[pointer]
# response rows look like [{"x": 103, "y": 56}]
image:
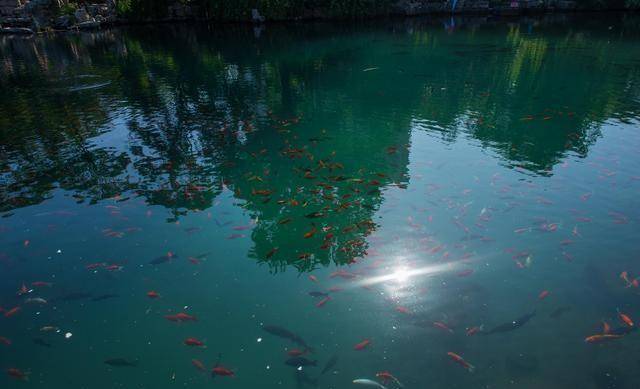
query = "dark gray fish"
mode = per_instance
[
  {"x": 121, "y": 362},
  {"x": 286, "y": 334},
  {"x": 330, "y": 364},
  {"x": 559, "y": 312},
  {"x": 318, "y": 294},
  {"x": 41, "y": 342},
  {"x": 313, "y": 215},
  {"x": 75, "y": 296},
  {"x": 300, "y": 361},
  {"x": 512, "y": 325},
  {"x": 104, "y": 297},
  {"x": 163, "y": 259}
]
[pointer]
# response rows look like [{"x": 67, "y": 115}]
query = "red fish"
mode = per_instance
[
  {"x": 601, "y": 338},
  {"x": 474, "y": 330},
  {"x": 457, "y": 358},
  {"x": 5, "y": 341},
  {"x": 153, "y": 294},
  {"x": 296, "y": 352},
  {"x": 404, "y": 310},
  {"x": 23, "y": 290},
  {"x": 606, "y": 328},
  {"x": 441, "y": 325},
  {"x": 313, "y": 278},
  {"x": 222, "y": 371},
  {"x": 199, "y": 365},
  {"x": 180, "y": 317},
  {"x": 193, "y": 342},
  {"x": 543, "y": 294},
  {"x": 362, "y": 345},
  {"x": 465, "y": 273},
  {"x": 17, "y": 374},
  {"x": 626, "y": 319},
  {"x": 41, "y": 284},
  {"x": 323, "y": 302},
  {"x": 12, "y": 312}
]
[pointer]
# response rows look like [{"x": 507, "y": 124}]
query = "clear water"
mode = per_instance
[{"x": 452, "y": 171}]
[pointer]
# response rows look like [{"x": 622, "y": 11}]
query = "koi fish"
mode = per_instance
[
  {"x": 181, "y": 317},
  {"x": 272, "y": 252},
  {"x": 442, "y": 326},
  {"x": 222, "y": 371},
  {"x": 39, "y": 284},
  {"x": 457, "y": 358},
  {"x": 17, "y": 374},
  {"x": 543, "y": 294},
  {"x": 12, "y": 312},
  {"x": 601, "y": 338},
  {"x": 310, "y": 233},
  {"x": 199, "y": 365},
  {"x": 193, "y": 342},
  {"x": 474, "y": 330},
  {"x": 296, "y": 352},
  {"x": 606, "y": 328},
  {"x": 465, "y": 273},
  {"x": 626, "y": 319},
  {"x": 385, "y": 376},
  {"x": 362, "y": 345},
  {"x": 5, "y": 341},
  {"x": 153, "y": 294},
  {"x": 323, "y": 302},
  {"x": 625, "y": 277},
  {"x": 404, "y": 310},
  {"x": 313, "y": 278}
]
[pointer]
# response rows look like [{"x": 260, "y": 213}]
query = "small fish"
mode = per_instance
[
  {"x": 441, "y": 325},
  {"x": 49, "y": 329},
  {"x": 222, "y": 371},
  {"x": 153, "y": 294},
  {"x": 17, "y": 374},
  {"x": 322, "y": 302},
  {"x": 368, "y": 382},
  {"x": 543, "y": 295},
  {"x": 474, "y": 330},
  {"x": 625, "y": 318},
  {"x": 199, "y": 365},
  {"x": 385, "y": 376},
  {"x": 5, "y": 341},
  {"x": 12, "y": 312},
  {"x": 272, "y": 252},
  {"x": 300, "y": 361},
  {"x": 296, "y": 352},
  {"x": 310, "y": 233},
  {"x": 313, "y": 278},
  {"x": 181, "y": 317},
  {"x": 121, "y": 362},
  {"x": 193, "y": 342},
  {"x": 601, "y": 338},
  {"x": 362, "y": 345},
  {"x": 457, "y": 358},
  {"x": 370, "y": 69}
]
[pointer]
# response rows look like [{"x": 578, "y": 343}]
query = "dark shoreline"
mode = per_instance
[{"x": 501, "y": 13}]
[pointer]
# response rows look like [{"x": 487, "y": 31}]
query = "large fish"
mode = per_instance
[
  {"x": 286, "y": 334},
  {"x": 512, "y": 325}
]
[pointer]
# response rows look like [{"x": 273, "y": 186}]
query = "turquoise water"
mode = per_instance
[{"x": 460, "y": 186}]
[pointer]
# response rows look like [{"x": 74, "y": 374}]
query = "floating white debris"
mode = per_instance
[
  {"x": 68, "y": 335},
  {"x": 259, "y": 340}
]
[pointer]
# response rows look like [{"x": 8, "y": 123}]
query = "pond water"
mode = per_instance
[{"x": 452, "y": 201}]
